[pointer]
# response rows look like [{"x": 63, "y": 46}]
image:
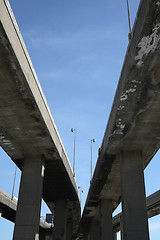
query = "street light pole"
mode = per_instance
[
  {"x": 74, "y": 153},
  {"x": 129, "y": 21},
  {"x": 92, "y": 141},
  {"x": 14, "y": 182},
  {"x": 81, "y": 191}
]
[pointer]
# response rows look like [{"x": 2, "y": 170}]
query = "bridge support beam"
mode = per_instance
[
  {"x": 135, "y": 221},
  {"x": 60, "y": 220},
  {"x": 106, "y": 225},
  {"x": 29, "y": 201}
]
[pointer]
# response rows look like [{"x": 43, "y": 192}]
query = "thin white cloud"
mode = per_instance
[{"x": 73, "y": 38}]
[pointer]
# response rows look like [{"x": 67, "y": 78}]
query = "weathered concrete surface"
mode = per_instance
[
  {"x": 26, "y": 125},
  {"x": 134, "y": 119},
  {"x": 153, "y": 209}
]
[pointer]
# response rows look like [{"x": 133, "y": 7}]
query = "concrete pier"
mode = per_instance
[
  {"x": 121, "y": 227},
  {"x": 60, "y": 220},
  {"x": 95, "y": 230},
  {"x": 69, "y": 230},
  {"x": 29, "y": 201},
  {"x": 135, "y": 222},
  {"x": 106, "y": 225}
]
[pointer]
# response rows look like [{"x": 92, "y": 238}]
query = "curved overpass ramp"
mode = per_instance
[{"x": 27, "y": 130}]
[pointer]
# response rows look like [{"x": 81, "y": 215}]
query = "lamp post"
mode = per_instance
[
  {"x": 74, "y": 153},
  {"x": 80, "y": 191},
  {"x": 129, "y": 21},
  {"x": 92, "y": 141},
  {"x": 14, "y": 182}
]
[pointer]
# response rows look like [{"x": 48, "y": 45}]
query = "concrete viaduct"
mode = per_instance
[
  {"x": 132, "y": 136},
  {"x": 131, "y": 139},
  {"x": 29, "y": 136}
]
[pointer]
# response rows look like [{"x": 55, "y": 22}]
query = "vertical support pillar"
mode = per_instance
[
  {"x": 29, "y": 201},
  {"x": 85, "y": 236},
  {"x": 106, "y": 219},
  {"x": 69, "y": 230},
  {"x": 135, "y": 221},
  {"x": 60, "y": 220},
  {"x": 42, "y": 235},
  {"x": 85, "y": 231},
  {"x": 95, "y": 230},
  {"x": 121, "y": 227}
]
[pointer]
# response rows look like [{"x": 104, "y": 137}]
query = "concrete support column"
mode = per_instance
[
  {"x": 134, "y": 212},
  {"x": 106, "y": 219},
  {"x": 69, "y": 230},
  {"x": 29, "y": 200},
  {"x": 121, "y": 227},
  {"x": 60, "y": 220},
  {"x": 85, "y": 231},
  {"x": 42, "y": 234},
  {"x": 95, "y": 230},
  {"x": 85, "y": 236}
]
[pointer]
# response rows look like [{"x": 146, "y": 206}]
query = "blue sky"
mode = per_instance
[{"x": 77, "y": 48}]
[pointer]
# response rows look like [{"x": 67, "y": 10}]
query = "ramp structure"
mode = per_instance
[
  {"x": 29, "y": 136},
  {"x": 131, "y": 137}
]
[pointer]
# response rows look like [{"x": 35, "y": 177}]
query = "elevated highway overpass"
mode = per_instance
[
  {"x": 132, "y": 136},
  {"x": 29, "y": 136}
]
